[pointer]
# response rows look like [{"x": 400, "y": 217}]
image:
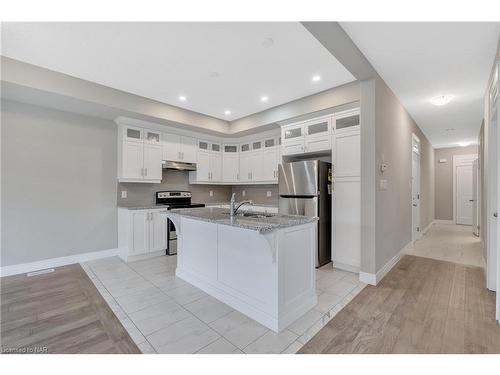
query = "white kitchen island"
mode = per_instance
[{"x": 263, "y": 267}]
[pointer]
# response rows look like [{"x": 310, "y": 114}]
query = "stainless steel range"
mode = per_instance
[{"x": 174, "y": 200}]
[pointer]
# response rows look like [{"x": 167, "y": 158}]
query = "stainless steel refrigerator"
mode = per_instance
[{"x": 305, "y": 188}]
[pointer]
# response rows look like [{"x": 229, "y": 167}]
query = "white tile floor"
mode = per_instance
[
  {"x": 449, "y": 242},
  {"x": 164, "y": 314}
]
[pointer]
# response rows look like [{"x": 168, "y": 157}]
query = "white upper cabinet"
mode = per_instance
[
  {"x": 269, "y": 170},
  {"x": 139, "y": 155},
  {"x": 179, "y": 148},
  {"x": 255, "y": 160},
  {"x": 152, "y": 162},
  {"x": 307, "y": 136},
  {"x": 132, "y": 160},
  {"x": 203, "y": 166},
  {"x": 230, "y": 163},
  {"x": 208, "y": 163},
  {"x": 216, "y": 167},
  {"x": 171, "y": 147}
]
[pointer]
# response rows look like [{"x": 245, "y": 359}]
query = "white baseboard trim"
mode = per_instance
[
  {"x": 443, "y": 221},
  {"x": 374, "y": 279},
  {"x": 345, "y": 267},
  {"x": 427, "y": 228},
  {"x": 16, "y": 269}
]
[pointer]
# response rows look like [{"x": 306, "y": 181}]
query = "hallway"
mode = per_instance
[
  {"x": 423, "y": 305},
  {"x": 452, "y": 243}
]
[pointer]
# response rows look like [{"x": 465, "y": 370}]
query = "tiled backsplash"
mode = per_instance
[
  {"x": 139, "y": 194},
  {"x": 257, "y": 193}
]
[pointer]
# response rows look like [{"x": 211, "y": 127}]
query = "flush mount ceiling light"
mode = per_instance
[
  {"x": 264, "y": 98},
  {"x": 316, "y": 78},
  {"x": 463, "y": 144},
  {"x": 182, "y": 98},
  {"x": 227, "y": 112},
  {"x": 442, "y": 99}
]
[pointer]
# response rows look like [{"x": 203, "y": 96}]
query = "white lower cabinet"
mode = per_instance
[
  {"x": 346, "y": 222},
  {"x": 141, "y": 233}
]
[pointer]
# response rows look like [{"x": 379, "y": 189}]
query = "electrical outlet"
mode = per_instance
[
  {"x": 124, "y": 194},
  {"x": 243, "y": 193},
  {"x": 383, "y": 184},
  {"x": 211, "y": 193},
  {"x": 268, "y": 194}
]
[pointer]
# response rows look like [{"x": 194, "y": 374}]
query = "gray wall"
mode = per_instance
[
  {"x": 58, "y": 184},
  {"x": 393, "y": 141},
  {"x": 444, "y": 179}
]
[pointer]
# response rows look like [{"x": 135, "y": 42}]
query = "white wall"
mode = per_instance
[{"x": 58, "y": 184}]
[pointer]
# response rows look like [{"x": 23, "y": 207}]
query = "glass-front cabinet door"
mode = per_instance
[
  {"x": 346, "y": 121},
  {"x": 245, "y": 147},
  {"x": 292, "y": 132},
  {"x": 203, "y": 145},
  {"x": 215, "y": 147},
  {"x": 151, "y": 136},
  {"x": 131, "y": 133},
  {"x": 318, "y": 127}
]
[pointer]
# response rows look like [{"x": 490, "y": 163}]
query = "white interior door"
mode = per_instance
[
  {"x": 475, "y": 197},
  {"x": 464, "y": 196},
  {"x": 415, "y": 194}
]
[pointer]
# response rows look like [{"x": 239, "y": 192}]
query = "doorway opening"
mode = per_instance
[{"x": 415, "y": 188}]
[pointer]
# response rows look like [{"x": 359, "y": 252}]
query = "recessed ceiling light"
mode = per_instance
[
  {"x": 182, "y": 98},
  {"x": 442, "y": 99},
  {"x": 268, "y": 42},
  {"x": 463, "y": 144},
  {"x": 264, "y": 98},
  {"x": 227, "y": 112},
  {"x": 316, "y": 78}
]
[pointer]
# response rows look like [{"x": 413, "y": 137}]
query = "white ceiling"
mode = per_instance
[
  {"x": 217, "y": 66},
  {"x": 423, "y": 60}
]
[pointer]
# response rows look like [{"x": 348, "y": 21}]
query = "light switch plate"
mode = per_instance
[
  {"x": 124, "y": 194},
  {"x": 243, "y": 193},
  {"x": 383, "y": 184},
  {"x": 268, "y": 194},
  {"x": 211, "y": 193}
]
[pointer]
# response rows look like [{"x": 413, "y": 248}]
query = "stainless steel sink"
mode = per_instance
[
  {"x": 254, "y": 215},
  {"x": 258, "y": 215}
]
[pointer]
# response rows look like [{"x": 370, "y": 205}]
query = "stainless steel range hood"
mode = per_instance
[{"x": 180, "y": 166}]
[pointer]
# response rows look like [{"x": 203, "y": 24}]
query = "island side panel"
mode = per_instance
[
  {"x": 297, "y": 272},
  {"x": 247, "y": 267},
  {"x": 197, "y": 248}
]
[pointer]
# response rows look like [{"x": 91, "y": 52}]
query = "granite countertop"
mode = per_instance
[
  {"x": 260, "y": 224},
  {"x": 151, "y": 207},
  {"x": 255, "y": 204}
]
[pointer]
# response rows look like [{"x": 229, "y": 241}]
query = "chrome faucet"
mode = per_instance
[{"x": 234, "y": 207}]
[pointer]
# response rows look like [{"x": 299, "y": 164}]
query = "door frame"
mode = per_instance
[
  {"x": 467, "y": 159},
  {"x": 415, "y": 138}
]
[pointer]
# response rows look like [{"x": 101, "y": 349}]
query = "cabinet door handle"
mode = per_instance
[{"x": 182, "y": 155}]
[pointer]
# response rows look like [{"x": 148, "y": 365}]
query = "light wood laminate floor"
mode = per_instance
[
  {"x": 422, "y": 306},
  {"x": 59, "y": 312}
]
